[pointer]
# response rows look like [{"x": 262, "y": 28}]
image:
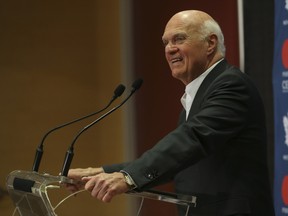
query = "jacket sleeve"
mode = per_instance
[{"x": 114, "y": 167}]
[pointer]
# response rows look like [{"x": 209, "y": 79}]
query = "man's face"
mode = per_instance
[{"x": 185, "y": 51}]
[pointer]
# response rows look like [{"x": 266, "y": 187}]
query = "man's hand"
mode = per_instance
[
  {"x": 78, "y": 174},
  {"x": 105, "y": 186}
]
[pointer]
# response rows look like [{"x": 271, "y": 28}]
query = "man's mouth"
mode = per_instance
[{"x": 176, "y": 60}]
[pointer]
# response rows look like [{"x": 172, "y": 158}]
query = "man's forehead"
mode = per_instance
[{"x": 170, "y": 32}]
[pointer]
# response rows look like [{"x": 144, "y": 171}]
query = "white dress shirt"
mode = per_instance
[{"x": 192, "y": 88}]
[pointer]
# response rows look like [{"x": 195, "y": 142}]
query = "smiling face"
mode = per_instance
[{"x": 187, "y": 52}]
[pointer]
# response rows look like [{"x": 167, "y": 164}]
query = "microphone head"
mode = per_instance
[
  {"x": 136, "y": 84},
  {"x": 119, "y": 90}
]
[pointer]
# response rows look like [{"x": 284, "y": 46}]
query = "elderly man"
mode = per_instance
[{"x": 218, "y": 150}]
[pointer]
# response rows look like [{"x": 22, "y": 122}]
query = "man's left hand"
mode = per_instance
[{"x": 105, "y": 186}]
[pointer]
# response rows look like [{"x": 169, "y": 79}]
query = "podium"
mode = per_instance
[{"x": 29, "y": 193}]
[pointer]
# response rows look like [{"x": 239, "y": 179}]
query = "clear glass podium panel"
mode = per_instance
[{"x": 29, "y": 193}]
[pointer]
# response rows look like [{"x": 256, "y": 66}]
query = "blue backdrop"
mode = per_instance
[{"x": 280, "y": 87}]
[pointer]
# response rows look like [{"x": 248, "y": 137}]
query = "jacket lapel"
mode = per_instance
[{"x": 222, "y": 66}]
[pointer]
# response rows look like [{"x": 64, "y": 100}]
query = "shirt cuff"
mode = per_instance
[{"x": 129, "y": 180}]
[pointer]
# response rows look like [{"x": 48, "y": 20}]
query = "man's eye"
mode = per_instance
[
  {"x": 165, "y": 43},
  {"x": 180, "y": 39}
]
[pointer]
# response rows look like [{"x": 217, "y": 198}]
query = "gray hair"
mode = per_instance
[{"x": 211, "y": 26}]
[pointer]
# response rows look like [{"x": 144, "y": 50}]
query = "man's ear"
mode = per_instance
[{"x": 212, "y": 43}]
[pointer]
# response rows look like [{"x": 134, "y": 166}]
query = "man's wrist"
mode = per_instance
[{"x": 129, "y": 181}]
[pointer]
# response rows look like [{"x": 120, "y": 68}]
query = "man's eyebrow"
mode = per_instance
[
  {"x": 180, "y": 34},
  {"x": 164, "y": 39},
  {"x": 174, "y": 35}
]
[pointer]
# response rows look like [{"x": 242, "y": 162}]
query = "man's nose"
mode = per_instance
[{"x": 171, "y": 48}]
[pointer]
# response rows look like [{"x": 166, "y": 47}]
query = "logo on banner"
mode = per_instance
[
  {"x": 285, "y": 190},
  {"x": 285, "y": 54},
  {"x": 285, "y": 125},
  {"x": 285, "y": 21}
]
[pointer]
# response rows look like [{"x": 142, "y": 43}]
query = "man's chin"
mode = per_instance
[{"x": 177, "y": 75}]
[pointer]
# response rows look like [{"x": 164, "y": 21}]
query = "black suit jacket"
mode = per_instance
[{"x": 218, "y": 154}]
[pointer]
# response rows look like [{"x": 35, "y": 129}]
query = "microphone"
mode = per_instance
[
  {"x": 70, "y": 152},
  {"x": 39, "y": 151}
]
